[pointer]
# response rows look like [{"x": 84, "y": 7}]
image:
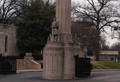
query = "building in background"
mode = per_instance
[
  {"x": 109, "y": 56},
  {"x": 8, "y": 40}
]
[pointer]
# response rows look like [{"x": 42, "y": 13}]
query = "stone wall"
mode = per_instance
[
  {"x": 27, "y": 63},
  {"x": 8, "y": 40}
]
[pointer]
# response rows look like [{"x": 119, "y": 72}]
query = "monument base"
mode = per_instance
[
  {"x": 58, "y": 58},
  {"x": 53, "y": 60}
]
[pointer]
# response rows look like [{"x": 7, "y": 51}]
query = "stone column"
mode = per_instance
[
  {"x": 58, "y": 56},
  {"x": 63, "y": 15}
]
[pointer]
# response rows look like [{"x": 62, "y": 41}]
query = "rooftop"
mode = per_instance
[{"x": 108, "y": 52}]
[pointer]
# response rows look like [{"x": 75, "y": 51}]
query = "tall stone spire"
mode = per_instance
[{"x": 63, "y": 15}]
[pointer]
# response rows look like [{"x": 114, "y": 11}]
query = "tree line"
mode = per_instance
[{"x": 34, "y": 18}]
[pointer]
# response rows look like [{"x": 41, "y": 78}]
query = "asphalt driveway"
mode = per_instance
[{"x": 104, "y": 76}]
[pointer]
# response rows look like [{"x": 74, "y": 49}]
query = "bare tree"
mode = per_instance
[
  {"x": 8, "y": 10},
  {"x": 87, "y": 38},
  {"x": 115, "y": 46},
  {"x": 103, "y": 44},
  {"x": 101, "y": 12}
]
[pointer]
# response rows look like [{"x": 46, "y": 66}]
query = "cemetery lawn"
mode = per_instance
[{"x": 105, "y": 65}]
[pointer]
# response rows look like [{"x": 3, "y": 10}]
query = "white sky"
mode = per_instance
[{"x": 78, "y": 0}]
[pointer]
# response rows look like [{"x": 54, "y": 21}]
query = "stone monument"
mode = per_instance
[{"x": 58, "y": 54}]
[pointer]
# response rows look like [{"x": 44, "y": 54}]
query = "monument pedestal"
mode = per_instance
[
  {"x": 53, "y": 60},
  {"x": 58, "y": 58}
]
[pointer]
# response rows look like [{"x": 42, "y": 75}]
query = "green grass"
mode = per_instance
[{"x": 105, "y": 65}]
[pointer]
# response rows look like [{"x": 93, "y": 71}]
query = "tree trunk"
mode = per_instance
[
  {"x": 97, "y": 53},
  {"x": 97, "y": 46}
]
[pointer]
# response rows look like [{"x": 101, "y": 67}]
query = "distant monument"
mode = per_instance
[{"x": 58, "y": 54}]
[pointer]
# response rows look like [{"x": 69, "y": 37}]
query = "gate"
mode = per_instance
[
  {"x": 0, "y": 63},
  {"x": 8, "y": 65},
  {"x": 82, "y": 66}
]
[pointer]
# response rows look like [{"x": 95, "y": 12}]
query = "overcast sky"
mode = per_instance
[
  {"x": 109, "y": 40},
  {"x": 78, "y": 0}
]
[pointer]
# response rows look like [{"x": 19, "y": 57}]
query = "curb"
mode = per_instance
[
  {"x": 40, "y": 70},
  {"x": 31, "y": 70},
  {"x": 95, "y": 70}
]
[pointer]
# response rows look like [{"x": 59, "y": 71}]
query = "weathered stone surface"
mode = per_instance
[
  {"x": 8, "y": 46},
  {"x": 58, "y": 60},
  {"x": 53, "y": 61},
  {"x": 58, "y": 55},
  {"x": 27, "y": 63},
  {"x": 63, "y": 15}
]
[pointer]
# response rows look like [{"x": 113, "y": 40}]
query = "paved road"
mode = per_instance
[{"x": 106, "y": 76}]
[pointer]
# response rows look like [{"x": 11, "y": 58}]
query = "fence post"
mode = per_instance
[{"x": 0, "y": 63}]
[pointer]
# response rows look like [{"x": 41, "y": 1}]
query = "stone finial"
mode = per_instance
[{"x": 28, "y": 54}]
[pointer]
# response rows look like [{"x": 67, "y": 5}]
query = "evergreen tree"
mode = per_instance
[{"x": 34, "y": 26}]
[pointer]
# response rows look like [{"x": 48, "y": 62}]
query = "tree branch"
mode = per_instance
[
  {"x": 92, "y": 4},
  {"x": 108, "y": 23}
]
